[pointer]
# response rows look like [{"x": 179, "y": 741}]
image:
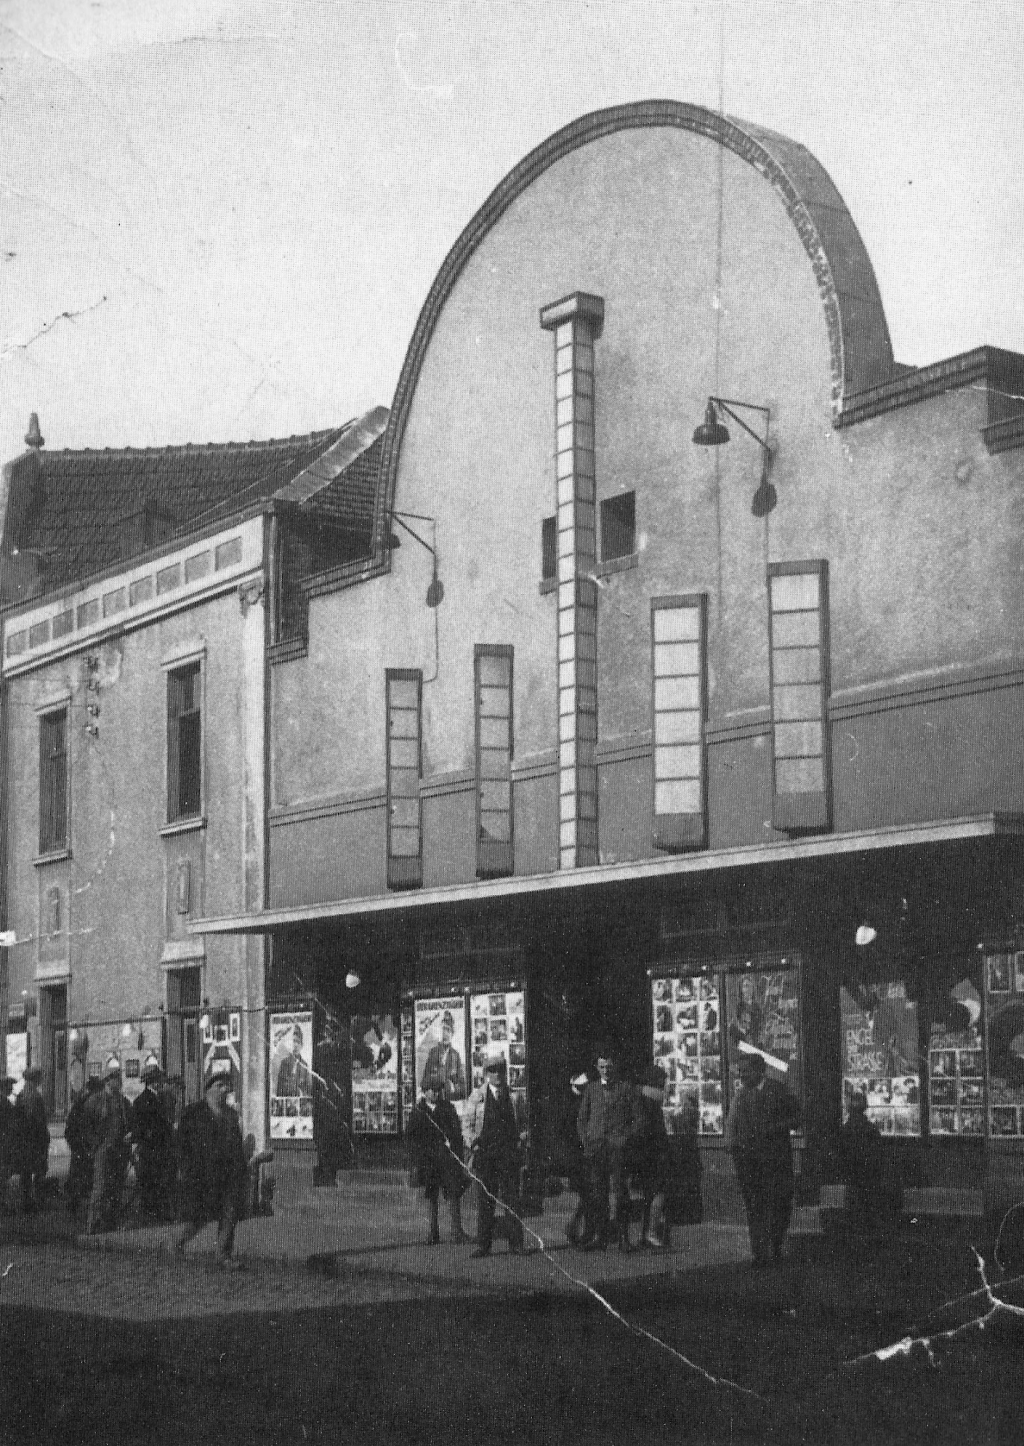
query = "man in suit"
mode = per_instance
[
  {"x": 107, "y": 1124},
  {"x": 606, "y": 1124},
  {"x": 757, "y": 1132},
  {"x": 495, "y": 1134},
  {"x": 444, "y": 1064},
  {"x": 293, "y": 1077}
]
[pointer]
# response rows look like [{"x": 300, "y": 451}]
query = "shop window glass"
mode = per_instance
[
  {"x": 404, "y": 826},
  {"x": 374, "y": 1051},
  {"x": 956, "y": 1062},
  {"x": 679, "y": 672},
  {"x": 493, "y": 709},
  {"x": 688, "y": 1047},
  {"x": 798, "y": 630},
  {"x": 881, "y": 1054},
  {"x": 1004, "y": 1013}
]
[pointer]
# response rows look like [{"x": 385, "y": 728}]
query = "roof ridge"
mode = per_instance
[{"x": 305, "y": 439}]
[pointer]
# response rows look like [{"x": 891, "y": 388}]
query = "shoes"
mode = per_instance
[
  {"x": 598, "y": 1243},
  {"x": 480, "y": 1252},
  {"x": 433, "y": 1238},
  {"x": 228, "y": 1262},
  {"x": 652, "y": 1242},
  {"x": 459, "y": 1237}
]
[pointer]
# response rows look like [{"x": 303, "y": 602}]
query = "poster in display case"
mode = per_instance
[
  {"x": 408, "y": 1060},
  {"x": 497, "y": 1025},
  {"x": 1004, "y": 1017},
  {"x": 880, "y": 1055},
  {"x": 687, "y": 1046},
  {"x": 763, "y": 1017},
  {"x": 291, "y": 1075},
  {"x": 375, "y": 1058},
  {"x": 956, "y": 1065},
  {"x": 439, "y": 1042}
]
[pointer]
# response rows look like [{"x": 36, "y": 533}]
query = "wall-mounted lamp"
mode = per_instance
[
  {"x": 435, "y": 592},
  {"x": 866, "y": 934},
  {"x": 352, "y": 980},
  {"x": 714, "y": 433}
]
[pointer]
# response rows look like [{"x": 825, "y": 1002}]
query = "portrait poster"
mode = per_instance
[
  {"x": 497, "y": 1025},
  {"x": 763, "y": 1017},
  {"x": 375, "y": 1061},
  {"x": 687, "y": 1046},
  {"x": 290, "y": 1076},
  {"x": 956, "y": 1064},
  {"x": 407, "y": 1063},
  {"x": 1004, "y": 1027},
  {"x": 440, "y": 1046},
  {"x": 880, "y": 1055}
]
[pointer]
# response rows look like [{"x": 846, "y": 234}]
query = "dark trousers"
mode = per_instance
[
  {"x": 226, "y": 1223},
  {"x": 500, "y": 1181},
  {"x": 32, "y": 1187},
  {"x": 606, "y": 1176},
  {"x": 768, "y": 1201}
]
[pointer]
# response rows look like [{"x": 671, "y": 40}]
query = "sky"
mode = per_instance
[{"x": 219, "y": 220}]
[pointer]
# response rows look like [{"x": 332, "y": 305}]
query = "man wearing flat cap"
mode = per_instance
[
  {"x": 496, "y": 1133},
  {"x": 757, "y": 1133},
  {"x": 31, "y": 1139},
  {"x": 443, "y": 1070},
  {"x": 153, "y": 1140},
  {"x": 107, "y": 1122},
  {"x": 214, "y": 1170}
]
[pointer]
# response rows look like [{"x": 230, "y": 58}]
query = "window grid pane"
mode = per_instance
[
  {"x": 493, "y": 700},
  {"x": 404, "y": 817},
  {"x": 799, "y": 683},
  {"x": 677, "y": 637}
]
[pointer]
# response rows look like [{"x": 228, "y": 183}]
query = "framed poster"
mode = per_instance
[
  {"x": 880, "y": 1055},
  {"x": 408, "y": 1060},
  {"x": 498, "y": 1026},
  {"x": 956, "y": 1065},
  {"x": 375, "y": 1055},
  {"x": 763, "y": 1017},
  {"x": 1004, "y": 1022},
  {"x": 688, "y": 1047},
  {"x": 440, "y": 1045},
  {"x": 291, "y": 1076}
]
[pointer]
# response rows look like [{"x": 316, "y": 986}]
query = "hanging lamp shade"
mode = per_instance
[{"x": 711, "y": 432}]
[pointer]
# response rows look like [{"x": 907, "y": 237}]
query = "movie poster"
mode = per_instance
[
  {"x": 687, "y": 1046},
  {"x": 956, "y": 1065},
  {"x": 291, "y": 1076},
  {"x": 1004, "y": 1013},
  {"x": 880, "y": 1055},
  {"x": 440, "y": 1046},
  {"x": 498, "y": 1026},
  {"x": 763, "y": 1017},
  {"x": 375, "y": 1056},
  {"x": 408, "y": 1060}
]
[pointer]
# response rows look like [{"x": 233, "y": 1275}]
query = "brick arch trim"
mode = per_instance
[{"x": 859, "y": 344}]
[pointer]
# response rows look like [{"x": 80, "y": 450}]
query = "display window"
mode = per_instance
[
  {"x": 881, "y": 1054},
  {"x": 291, "y": 1076},
  {"x": 449, "y": 1037},
  {"x": 1004, "y": 1028},
  {"x": 956, "y": 1063},
  {"x": 498, "y": 1026},
  {"x": 703, "y": 1024},
  {"x": 374, "y": 1050}
]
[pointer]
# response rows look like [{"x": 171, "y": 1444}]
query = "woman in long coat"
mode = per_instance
[{"x": 435, "y": 1135}]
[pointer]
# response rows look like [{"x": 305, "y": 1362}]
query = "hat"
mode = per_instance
[
  {"x": 448, "y": 1019},
  {"x": 216, "y": 1076},
  {"x": 580, "y": 1081},
  {"x": 494, "y": 1061},
  {"x": 152, "y": 1071},
  {"x": 93, "y": 1084},
  {"x": 33, "y": 1075},
  {"x": 752, "y": 1063},
  {"x": 113, "y": 1070}
]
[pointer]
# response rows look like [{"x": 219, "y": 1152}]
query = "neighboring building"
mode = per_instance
[
  {"x": 654, "y": 731},
  {"x": 144, "y": 593}
]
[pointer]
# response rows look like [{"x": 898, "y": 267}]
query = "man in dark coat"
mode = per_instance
[
  {"x": 874, "y": 1197},
  {"x": 78, "y": 1185},
  {"x": 757, "y": 1133},
  {"x": 495, "y": 1140},
  {"x": 214, "y": 1170},
  {"x": 31, "y": 1137},
  {"x": 107, "y": 1122},
  {"x": 6, "y": 1136},
  {"x": 153, "y": 1139},
  {"x": 435, "y": 1135},
  {"x": 606, "y": 1124}
]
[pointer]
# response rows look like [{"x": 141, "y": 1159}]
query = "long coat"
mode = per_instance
[
  {"x": 30, "y": 1135},
  {"x": 214, "y": 1170},
  {"x": 438, "y": 1147}
]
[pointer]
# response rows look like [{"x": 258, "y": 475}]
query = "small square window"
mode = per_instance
[{"x": 618, "y": 526}]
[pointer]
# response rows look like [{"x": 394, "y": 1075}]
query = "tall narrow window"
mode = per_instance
[
  {"x": 798, "y": 622},
  {"x": 618, "y": 526},
  {"x": 548, "y": 549},
  {"x": 493, "y": 687},
  {"x": 404, "y": 689},
  {"x": 679, "y": 672},
  {"x": 53, "y": 781},
  {"x": 184, "y": 743}
]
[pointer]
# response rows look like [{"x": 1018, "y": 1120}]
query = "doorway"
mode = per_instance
[
  {"x": 184, "y": 1046},
  {"x": 53, "y": 1049}
]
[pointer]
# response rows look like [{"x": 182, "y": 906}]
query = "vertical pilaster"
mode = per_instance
[{"x": 576, "y": 323}]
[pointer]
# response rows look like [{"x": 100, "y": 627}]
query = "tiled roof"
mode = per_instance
[{"x": 79, "y": 513}]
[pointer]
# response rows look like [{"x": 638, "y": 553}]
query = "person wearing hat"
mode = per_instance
[
  {"x": 153, "y": 1142},
  {"x": 108, "y": 1124},
  {"x": 496, "y": 1133},
  {"x": 444, "y": 1066},
  {"x": 650, "y": 1160},
  {"x": 6, "y": 1136},
  {"x": 214, "y": 1169},
  {"x": 31, "y": 1140},
  {"x": 567, "y": 1155},
  {"x": 293, "y": 1076},
  {"x": 757, "y": 1133},
  {"x": 435, "y": 1136},
  {"x": 606, "y": 1124},
  {"x": 78, "y": 1185}
]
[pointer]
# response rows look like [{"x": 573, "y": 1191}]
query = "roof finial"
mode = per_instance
[{"x": 34, "y": 437}]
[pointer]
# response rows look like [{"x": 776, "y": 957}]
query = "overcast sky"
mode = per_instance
[{"x": 220, "y": 219}]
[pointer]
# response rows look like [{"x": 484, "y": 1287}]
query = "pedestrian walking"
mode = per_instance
[
  {"x": 31, "y": 1139},
  {"x": 435, "y": 1136},
  {"x": 107, "y": 1123},
  {"x": 153, "y": 1146},
  {"x": 650, "y": 1159},
  {"x": 567, "y": 1157},
  {"x": 214, "y": 1170},
  {"x": 757, "y": 1132},
  {"x": 496, "y": 1135},
  {"x": 78, "y": 1185},
  {"x": 6, "y": 1137},
  {"x": 606, "y": 1124}
]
